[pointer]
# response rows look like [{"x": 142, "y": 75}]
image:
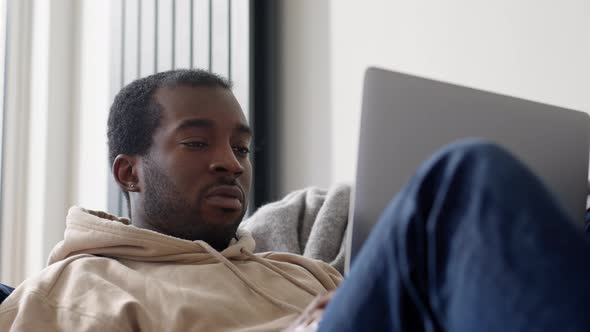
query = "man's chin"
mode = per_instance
[{"x": 219, "y": 237}]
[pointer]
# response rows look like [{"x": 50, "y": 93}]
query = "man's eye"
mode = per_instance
[
  {"x": 195, "y": 145},
  {"x": 242, "y": 151}
]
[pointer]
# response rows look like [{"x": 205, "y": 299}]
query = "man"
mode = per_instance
[
  {"x": 472, "y": 244},
  {"x": 179, "y": 149}
]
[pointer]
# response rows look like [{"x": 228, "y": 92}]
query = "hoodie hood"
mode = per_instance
[{"x": 99, "y": 233}]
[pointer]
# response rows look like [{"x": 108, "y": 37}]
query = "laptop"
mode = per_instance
[{"x": 405, "y": 119}]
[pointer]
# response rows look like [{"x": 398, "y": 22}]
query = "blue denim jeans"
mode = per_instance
[
  {"x": 475, "y": 242},
  {"x": 4, "y": 292}
]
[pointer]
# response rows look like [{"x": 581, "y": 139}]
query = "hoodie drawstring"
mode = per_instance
[
  {"x": 250, "y": 284},
  {"x": 279, "y": 271}
]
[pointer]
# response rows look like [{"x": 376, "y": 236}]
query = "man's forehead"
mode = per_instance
[
  {"x": 179, "y": 97},
  {"x": 181, "y": 103},
  {"x": 194, "y": 94}
]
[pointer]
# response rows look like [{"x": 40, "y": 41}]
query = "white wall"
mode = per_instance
[
  {"x": 304, "y": 99},
  {"x": 531, "y": 49}
]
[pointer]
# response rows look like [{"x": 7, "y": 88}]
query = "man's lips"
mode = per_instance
[{"x": 225, "y": 197}]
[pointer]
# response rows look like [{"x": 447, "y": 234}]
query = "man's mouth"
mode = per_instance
[{"x": 225, "y": 197}]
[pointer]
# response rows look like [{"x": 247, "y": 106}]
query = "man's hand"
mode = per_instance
[{"x": 312, "y": 314}]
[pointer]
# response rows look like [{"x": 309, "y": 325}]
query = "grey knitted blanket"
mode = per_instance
[{"x": 310, "y": 222}]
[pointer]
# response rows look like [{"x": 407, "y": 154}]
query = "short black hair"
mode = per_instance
[{"x": 134, "y": 115}]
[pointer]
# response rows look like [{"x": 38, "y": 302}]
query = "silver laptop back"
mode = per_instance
[{"x": 406, "y": 118}]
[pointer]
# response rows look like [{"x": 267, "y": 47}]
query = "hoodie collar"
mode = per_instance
[{"x": 99, "y": 233}]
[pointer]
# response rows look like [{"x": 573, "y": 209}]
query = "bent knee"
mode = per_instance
[
  {"x": 481, "y": 150},
  {"x": 475, "y": 158}
]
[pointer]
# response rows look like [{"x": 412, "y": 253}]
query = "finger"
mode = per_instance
[{"x": 325, "y": 299}]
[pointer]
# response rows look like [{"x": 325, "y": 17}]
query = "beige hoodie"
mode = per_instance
[{"x": 109, "y": 276}]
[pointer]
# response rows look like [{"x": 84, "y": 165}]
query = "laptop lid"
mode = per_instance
[{"x": 405, "y": 119}]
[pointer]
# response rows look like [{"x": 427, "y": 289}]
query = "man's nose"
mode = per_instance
[{"x": 225, "y": 161}]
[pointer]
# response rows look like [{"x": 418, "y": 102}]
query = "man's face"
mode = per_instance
[{"x": 196, "y": 175}]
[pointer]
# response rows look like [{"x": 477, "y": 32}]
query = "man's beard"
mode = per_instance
[{"x": 170, "y": 213}]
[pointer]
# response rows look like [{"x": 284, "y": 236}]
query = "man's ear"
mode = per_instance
[{"x": 125, "y": 172}]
